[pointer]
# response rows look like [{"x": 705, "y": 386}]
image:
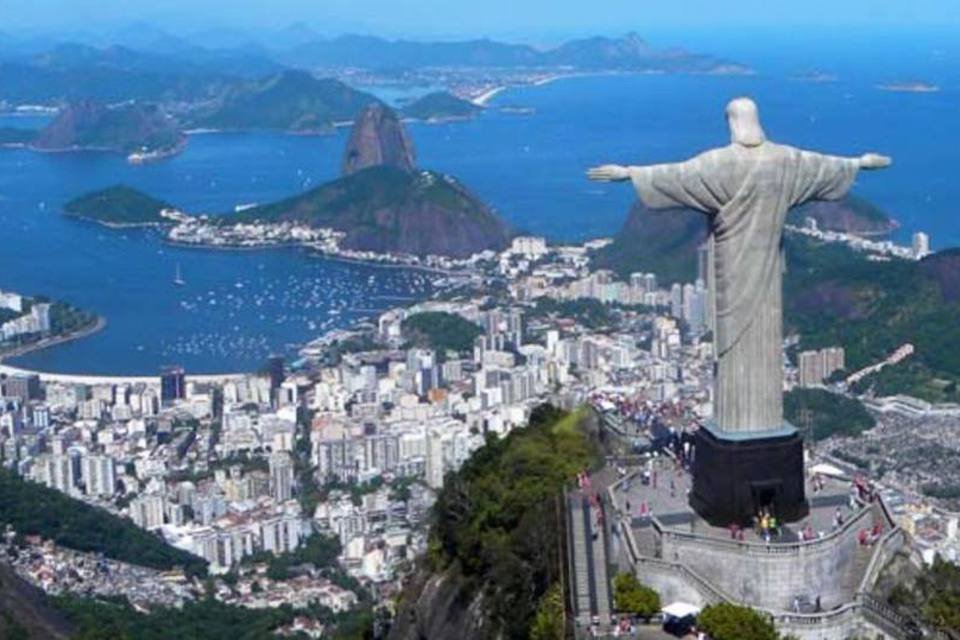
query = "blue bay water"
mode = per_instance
[{"x": 238, "y": 307}]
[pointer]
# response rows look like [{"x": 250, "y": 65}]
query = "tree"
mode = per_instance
[
  {"x": 632, "y": 597},
  {"x": 548, "y": 620},
  {"x": 727, "y": 621}
]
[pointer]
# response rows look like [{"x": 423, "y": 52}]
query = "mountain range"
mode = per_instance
[{"x": 163, "y": 67}]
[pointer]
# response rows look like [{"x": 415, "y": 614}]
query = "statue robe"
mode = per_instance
[{"x": 746, "y": 193}]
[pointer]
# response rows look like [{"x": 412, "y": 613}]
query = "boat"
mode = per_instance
[{"x": 178, "y": 279}]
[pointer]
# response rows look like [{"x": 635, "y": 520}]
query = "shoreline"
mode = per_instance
[{"x": 53, "y": 341}]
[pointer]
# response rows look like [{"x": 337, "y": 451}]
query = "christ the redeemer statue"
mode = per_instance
[{"x": 746, "y": 190}]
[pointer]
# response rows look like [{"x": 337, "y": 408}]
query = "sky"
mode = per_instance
[{"x": 522, "y": 19}]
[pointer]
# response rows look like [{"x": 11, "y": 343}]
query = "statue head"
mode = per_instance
[{"x": 744, "y": 121}]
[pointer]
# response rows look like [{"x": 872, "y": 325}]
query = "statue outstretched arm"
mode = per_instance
[
  {"x": 609, "y": 173},
  {"x": 819, "y": 176},
  {"x": 874, "y": 161},
  {"x": 659, "y": 186}
]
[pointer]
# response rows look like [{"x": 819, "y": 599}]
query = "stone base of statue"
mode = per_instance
[{"x": 736, "y": 475}]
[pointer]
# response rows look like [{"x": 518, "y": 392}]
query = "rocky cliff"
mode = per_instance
[
  {"x": 378, "y": 138},
  {"x": 383, "y": 203}
]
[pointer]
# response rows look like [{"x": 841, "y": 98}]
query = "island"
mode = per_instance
[
  {"x": 441, "y": 106},
  {"x": 142, "y": 131},
  {"x": 119, "y": 206},
  {"x": 909, "y": 87}
]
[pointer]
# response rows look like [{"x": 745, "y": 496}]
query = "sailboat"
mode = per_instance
[{"x": 177, "y": 279}]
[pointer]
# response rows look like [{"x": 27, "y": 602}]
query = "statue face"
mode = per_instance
[{"x": 743, "y": 118}]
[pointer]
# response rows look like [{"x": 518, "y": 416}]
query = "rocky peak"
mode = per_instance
[{"x": 378, "y": 138}]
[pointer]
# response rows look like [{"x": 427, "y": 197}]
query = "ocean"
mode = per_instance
[{"x": 237, "y": 307}]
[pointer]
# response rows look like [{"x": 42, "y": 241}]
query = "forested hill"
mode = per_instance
[
  {"x": 33, "y": 509},
  {"x": 832, "y": 294},
  {"x": 494, "y": 539}
]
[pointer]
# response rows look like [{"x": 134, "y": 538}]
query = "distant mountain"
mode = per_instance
[
  {"x": 378, "y": 53},
  {"x": 118, "y": 206},
  {"x": 288, "y": 101},
  {"x": 388, "y": 210},
  {"x": 378, "y": 138},
  {"x": 665, "y": 241},
  {"x": 71, "y": 72},
  {"x": 440, "y": 105},
  {"x": 383, "y": 204},
  {"x": 832, "y": 294},
  {"x": 629, "y": 52},
  {"x": 125, "y": 128},
  {"x": 850, "y": 215}
]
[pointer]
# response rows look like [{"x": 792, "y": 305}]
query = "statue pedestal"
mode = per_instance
[{"x": 736, "y": 475}]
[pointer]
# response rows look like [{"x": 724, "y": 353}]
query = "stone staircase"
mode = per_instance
[{"x": 580, "y": 567}]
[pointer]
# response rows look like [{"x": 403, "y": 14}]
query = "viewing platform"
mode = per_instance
[{"x": 813, "y": 576}]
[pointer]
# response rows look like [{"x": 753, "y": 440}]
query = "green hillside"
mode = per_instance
[
  {"x": 495, "y": 532},
  {"x": 386, "y": 209},
  {"x": 33, "y": 509},
  {"x": 118, "y": 205},
  {"x": 288, "y": 101},
  {"x": 440, "y": 105}
]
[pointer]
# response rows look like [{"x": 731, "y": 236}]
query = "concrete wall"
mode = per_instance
[
  {"x": 771, "y": 577},
  {"x": 671, "y": 583}
]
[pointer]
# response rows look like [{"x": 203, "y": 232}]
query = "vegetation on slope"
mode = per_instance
[
  {"x": 118, "y": 205},
  {"x": 732, "y": 622},
  {"x": 387, "y": 209},
  {"x": 588, "y": 312},
  {"x": 496, "y": 519},
  {"x": 33, "y": 509},
  {"x": 287, "y": 101},
  {"x": 206, "y": 619},
  {"x": 933, "y": 598},
  {"x": 630, "y": 596},
  {"x": 832, "y": 295},
  {"x": 441, "y": 331},
  {"x": 829, "y": 414},
  {"x": 440, "y": 105},
  {"x": 126, "y": 128}
]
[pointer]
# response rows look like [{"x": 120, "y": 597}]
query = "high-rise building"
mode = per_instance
[
  {"x": 24, "y": 388},
  {"x": 676, "y": 301},
  {"x": 173, "y": 385},
  {"x": 99, "y": 475},
  {"x": 281, "y": 476},
  {"x": 703, "y": 262},
  {"x": 921, "y": 245}
]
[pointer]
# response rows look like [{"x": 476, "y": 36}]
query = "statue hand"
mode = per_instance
[
  {"x": 609, "y": 173},
  {"x": 874, "y": 161}
]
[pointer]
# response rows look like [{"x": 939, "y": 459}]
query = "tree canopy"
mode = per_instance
[
  {"x": 727, "y": 621},
  {"x": 632, "y": 597}
]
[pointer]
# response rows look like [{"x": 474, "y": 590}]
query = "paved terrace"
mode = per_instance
[{"x": 665, "y": 497}]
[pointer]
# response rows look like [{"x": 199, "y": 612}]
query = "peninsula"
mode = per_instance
[{"x": 383, "y": 208}]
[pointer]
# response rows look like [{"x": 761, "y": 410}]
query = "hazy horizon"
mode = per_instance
[{"x": 536, "y": 21}]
